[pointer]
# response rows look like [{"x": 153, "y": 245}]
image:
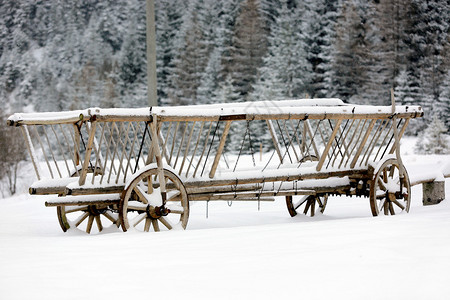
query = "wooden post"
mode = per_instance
[
  {"x": 151, "y": 54},
  {"x": 397, "y": 138},
  {"x": 433, "y": 192},
  {"x": 88, "y": 154},
  {"x": 159, "y": 161}
]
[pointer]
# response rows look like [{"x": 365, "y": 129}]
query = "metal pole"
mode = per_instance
[{"x": 151, "y": 54}]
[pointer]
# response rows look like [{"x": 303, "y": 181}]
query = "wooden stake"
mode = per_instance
[
  {"x": 31, "y": 151},
  {"x": 220, "y": 149},
  {"x": 88, "y": 154},
  {"x": 274, "y": 139},
  {"x": 363, "y": 142},
  {"x": 328, "y": 146}
]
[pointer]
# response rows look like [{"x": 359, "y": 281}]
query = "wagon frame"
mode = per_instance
[{"x": 140, "y": 168}]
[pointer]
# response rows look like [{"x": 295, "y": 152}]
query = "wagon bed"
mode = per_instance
[{"x": 317, "y": 147}]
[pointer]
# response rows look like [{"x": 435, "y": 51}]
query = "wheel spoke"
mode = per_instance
[
  {"x": 141, "y": 194},
  {"x": 308, "y": 204},
  {"x": 89, "y": 224},
  {"x": 398, "y": 204},
  {"x": 391, "y": 171},
  {"x": 174, "y": 196},
  {"x": 99, "y": 223},
  {"x": 324, "y": 203},
  {"x": 136, "y": 206},
  {"x": 313, "y": 207},
  {"x": 165, "y": 223},
  {"x": 109, "y": 217},
  {"x": 81, "y": 219},
  {"x": 155, "y": 225},
  {"x": 381, "y": 204},
  {"x": 319, "y": 202},
  {"x": 175, "y": 209},
  {"x": 386, "y": 207},
  {"x": 381, "y": 184},
  {"x": 147, "y": 225},
  {"x": 140, "y": 218},
  {"x": 391, "y": 208}
]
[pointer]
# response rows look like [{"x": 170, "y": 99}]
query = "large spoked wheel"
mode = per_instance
[
  {"x": 390, "y": 194},
  {"x": 307, "y": 204},
  {"x": 142, "y": 206},
  {"x": 83, "y": 217}
]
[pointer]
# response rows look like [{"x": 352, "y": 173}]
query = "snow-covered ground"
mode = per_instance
[{"x": 237, "y": 253}]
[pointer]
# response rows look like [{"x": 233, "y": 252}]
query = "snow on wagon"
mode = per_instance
[{"x": 140, "y": 168}]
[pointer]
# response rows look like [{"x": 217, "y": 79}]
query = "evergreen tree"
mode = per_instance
[
  {"x": 168, "y": 14},
  {"x": 391, "y": 22},
  {"x": 320, "y": 18},
  {"x": 444, "y": 101},
  {"x": 249, "y": 46},
  {"x": 210, "y": 80},
  {"x": 434, "y": 139},
  {"x": 190, "y": 60},
  {"x": 353, "y": 62}
]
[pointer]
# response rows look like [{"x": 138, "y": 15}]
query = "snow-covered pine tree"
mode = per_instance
[
  {"x": 434, "y": 139},
  {"x": 285, "y": 73},
  {"x": 210, "y": 82},
  {"x": 444, "y": 100},
  {"x": 133, "y": 63},
  {"x": 353, "y": 61},
  {"x": 391, "y": 22},
  {"x": 227, "y": 14},
  {"x": 249, "y": 46},
  {"x": 320, "y": 19},
  {"x": 189, "y": 62}
]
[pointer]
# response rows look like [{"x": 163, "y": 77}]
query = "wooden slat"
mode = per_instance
[
  {"x": 220, "y": 149},
  {"x": 328, "y": 146},
  {"x": 274, "y": 139},
  {"x": 31, "y": 151},
  {"x": 363, "y": 142}
]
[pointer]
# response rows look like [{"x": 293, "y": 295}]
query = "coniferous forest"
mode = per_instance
[{"x": 62, "y": 55}]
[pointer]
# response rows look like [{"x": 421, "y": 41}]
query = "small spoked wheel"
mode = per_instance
[
  {"x": 307, "y": 204},
  {"x": 142, "y": 206},
  {"x": 390, "y": 194},
  {"x": 83, "y": 217}
]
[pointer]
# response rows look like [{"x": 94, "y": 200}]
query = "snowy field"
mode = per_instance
[{"x": 236, "y": 253}]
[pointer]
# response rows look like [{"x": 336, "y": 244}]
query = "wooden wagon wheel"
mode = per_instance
[
  {"x": 83, "y": 217},
  {"x": 142, "y": 206},
  {"x": 307, "y": 203},
  {"x": 388, "y": 192}
]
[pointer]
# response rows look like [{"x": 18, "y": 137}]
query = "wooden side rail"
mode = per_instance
[{"x": 108, "y": 199}]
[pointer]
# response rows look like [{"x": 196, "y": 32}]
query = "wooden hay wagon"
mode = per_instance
[{"x": 140, "y": 168}]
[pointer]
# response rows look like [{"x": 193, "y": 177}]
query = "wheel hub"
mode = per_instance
[
  {"x": 95, "y": 211},
  {"x": 157, "y": 212}
]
